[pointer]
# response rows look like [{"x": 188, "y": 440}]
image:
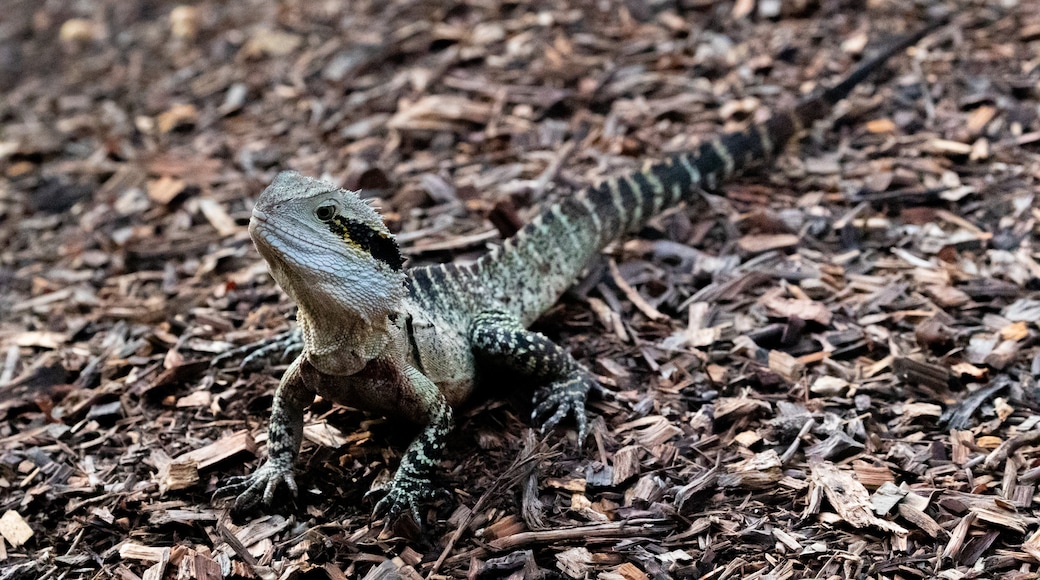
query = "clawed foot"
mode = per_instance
[
  {"x": 564, "y": 397},
  {"x": 281, "y": 347},
  {"x": 403, "y": 495},
  {"x": 260, "y": 486}
]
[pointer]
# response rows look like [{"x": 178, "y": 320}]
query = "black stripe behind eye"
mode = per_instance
[{"x": 381, "y": 246}]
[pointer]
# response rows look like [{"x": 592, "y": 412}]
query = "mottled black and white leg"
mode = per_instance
[
  {"x": 284, "y": 436},
  {"x": 411, "y": 485},
  {"x": 280, "y": 347},
  {"x": 500, "y": 338}
]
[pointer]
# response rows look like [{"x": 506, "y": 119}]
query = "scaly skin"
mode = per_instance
[{"x": 407, "y": 342}]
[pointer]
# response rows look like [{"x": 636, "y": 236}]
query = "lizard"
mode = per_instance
[{"x": 412, "y": 342}]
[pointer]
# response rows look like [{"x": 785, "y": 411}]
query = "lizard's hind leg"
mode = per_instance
[
  {"x": 284, "y": 346},
  {"x": 499, "y": 338}
]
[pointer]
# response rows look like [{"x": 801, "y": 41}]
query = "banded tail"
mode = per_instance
[{"x": 529, "y": 272}]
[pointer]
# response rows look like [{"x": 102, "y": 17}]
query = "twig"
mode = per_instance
[
  {"x": 622, "y": 529},
  {"x": 10, "y": 362},
  {"x": 635, "y": 297}
]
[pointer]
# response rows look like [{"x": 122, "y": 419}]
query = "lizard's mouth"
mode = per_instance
[
  {"x": 278, "y": 243},
  {"x": 261, "y": 228},
  {"x": 259, "y": 216},
  {"x": 273, "y": 241}
]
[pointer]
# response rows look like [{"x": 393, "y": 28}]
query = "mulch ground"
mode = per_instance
[{"x": 825, "y": 369}]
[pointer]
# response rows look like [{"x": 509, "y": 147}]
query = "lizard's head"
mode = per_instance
[{"x": 327, "y": 248}]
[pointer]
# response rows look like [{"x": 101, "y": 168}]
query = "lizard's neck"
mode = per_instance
[
  {"x": 339, "y": 344},
  {"x": 344, "y": 322}
]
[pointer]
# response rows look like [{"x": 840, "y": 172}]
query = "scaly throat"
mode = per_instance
[
  {"x": 343, "y": 320},
  {"x": 341, "y": 345}
]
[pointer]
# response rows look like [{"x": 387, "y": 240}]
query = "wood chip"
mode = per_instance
[
  {"x": 14, "y": 529},
  {"x": 637, "y": 300},
  {"x": 205, "y": 457},
  {"x": 626, "y": 463},
  {"x": 759, "y": 244},
  {"x": 217, "y": 217},
  {"x": 132, "y": 551},
  {"x": 849, "y": 498}
]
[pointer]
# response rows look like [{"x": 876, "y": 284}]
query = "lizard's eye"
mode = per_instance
[{"x": 325, "y": 212}]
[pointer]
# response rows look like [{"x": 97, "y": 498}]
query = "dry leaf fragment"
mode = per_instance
[
  {"x": 757, "y": 244},
  {"x": 855, "y": 43},
  {"x": 1015, "y": 331},
  {"x": 14, "y": 529},
  {"x": 803, "y": 309},
  {"x": 184, "y": 22},
  {"x": 829, "y": 386},
  {"x": 220, "y": 450},
  {"x": 881, "y": 126},
  {"x": 947, "y": 296},
  {"x": 1032, "y": 545},
  {"x": 165, "y": 189},
  {"x": 179, "y": 115},
  {"x": 968, "y": 370},
  {"x": 173, "y": 476},
  {"x": 979, "y": 118},
  {"x": 325, "y": 434},
  {"x": 271, "y": 43},
  {"x": 760, "y": 471},
  {"x": 440, "y": 112},
  {"x": 742, "y": 8},
  {"x": 785, "y": 365},
  {"x": 575, "y": 562},
  {"x": 217, "y": 216},
  {"x": 747, "y": 438},
  {"x": 947, "y": 147},
  {"x": 979, "y": 150},
  {"x": 132, "y": 551},
  {"x": 914, "y": 410},
  {"x": 887, "y": 497},
  {"x": 629, "y": 571},
  {"x": 78, "y": 30},
  {"x": 849, "y": 498}
]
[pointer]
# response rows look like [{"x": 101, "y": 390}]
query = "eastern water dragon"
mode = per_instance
[{"x": 411, "y": 342}]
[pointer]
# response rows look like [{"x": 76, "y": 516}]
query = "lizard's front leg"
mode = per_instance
[
  {"x": 284, "y": 435},
  {"x": 411, "y": 485},
  {"x": 500, "y": 338}
]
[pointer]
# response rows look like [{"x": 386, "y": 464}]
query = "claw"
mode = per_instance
[
  {"x": 260, "y": 486},
  {"x": 403, "y": 495},
  {"x": 564, "y": 398},
  {"x": 289, "y": 343}
]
